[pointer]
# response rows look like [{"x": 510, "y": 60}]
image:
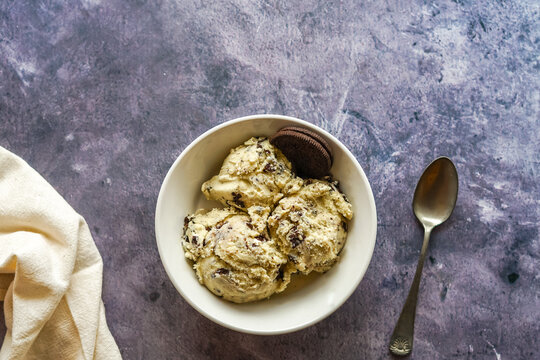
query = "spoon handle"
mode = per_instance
[{"x": 401, "y": 341}]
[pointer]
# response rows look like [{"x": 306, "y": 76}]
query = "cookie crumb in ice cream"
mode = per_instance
[{"x": 222, "y": 271}]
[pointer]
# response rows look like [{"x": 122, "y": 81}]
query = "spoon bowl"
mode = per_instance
[{"x": 436, "y": 193}]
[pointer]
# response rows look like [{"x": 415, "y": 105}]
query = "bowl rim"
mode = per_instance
[{"x": 328, "y": 311}]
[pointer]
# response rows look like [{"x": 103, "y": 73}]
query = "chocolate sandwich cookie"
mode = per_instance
[
  {"x": 307, "y": 151},
  {"x": 315, "y": 136}
]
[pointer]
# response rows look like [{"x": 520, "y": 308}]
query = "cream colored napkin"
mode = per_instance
[{"x": 50, "y": 272}]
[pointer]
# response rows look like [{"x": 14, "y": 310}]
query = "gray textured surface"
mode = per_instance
[{"x": 101, "y": 96}]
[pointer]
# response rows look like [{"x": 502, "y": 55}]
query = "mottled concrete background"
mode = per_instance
[{"x": 101, "y": 96}]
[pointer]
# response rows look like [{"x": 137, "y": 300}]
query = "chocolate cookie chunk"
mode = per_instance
[{"x": 304, "y": 150}]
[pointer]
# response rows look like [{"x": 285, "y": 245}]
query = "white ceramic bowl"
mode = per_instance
[{"x": 308, "y": 299}]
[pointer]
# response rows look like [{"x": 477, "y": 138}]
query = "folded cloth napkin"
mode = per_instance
[{"x": 50, "y": 272}]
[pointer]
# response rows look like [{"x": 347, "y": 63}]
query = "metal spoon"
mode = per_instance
[{"x": 434, "y": 199}]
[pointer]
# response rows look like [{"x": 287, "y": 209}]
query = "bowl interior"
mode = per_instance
[{"x": 308, "y": 299}]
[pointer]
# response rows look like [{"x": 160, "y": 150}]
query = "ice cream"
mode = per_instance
[
  {"x": 273, "y": 224},
  {"x": 233, "y": 259},
  {"x": 311, "y": 225},
  {"x": 254, "y": 173}
]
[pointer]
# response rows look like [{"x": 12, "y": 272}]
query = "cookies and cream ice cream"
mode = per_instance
[
  {"x": 254, "y": 173},
  {"x": 233, "y": 259},
  {"x": 311, "y": 225},
  {"x": 274, "y": 224}
]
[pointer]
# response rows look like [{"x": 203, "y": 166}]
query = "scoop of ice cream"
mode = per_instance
[
  {"x": 311, "y": 225},
  {"x": 233, "y": 259},
  {"x": 196, "y": 229},
  {"x": 254, "y": 173},
  {"x": 233, "y": 285}
]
